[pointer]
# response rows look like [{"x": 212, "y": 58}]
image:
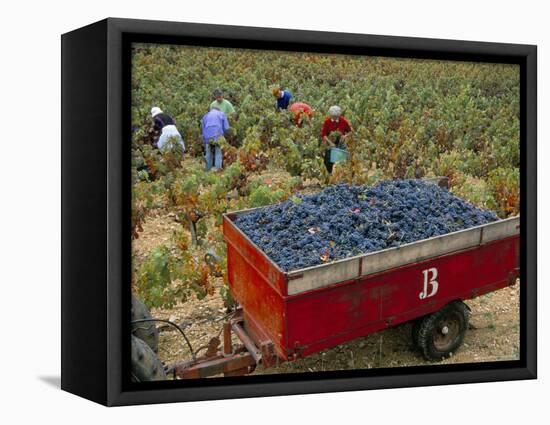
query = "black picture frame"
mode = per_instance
[{"x": 96, "y": 209}]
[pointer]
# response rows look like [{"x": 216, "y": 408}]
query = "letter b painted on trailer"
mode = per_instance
[{"x": 430, "y": 283}]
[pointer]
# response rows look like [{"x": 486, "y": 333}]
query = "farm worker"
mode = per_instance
[
  {"x": 283, "y": 97},
  {"x": 223, "y": 105},
  {"x": 334, "y": 122},
  {"x": 214, "y": 124},
  {"x": 165, "y": 124},
  {"x": 301, "y": 111}
]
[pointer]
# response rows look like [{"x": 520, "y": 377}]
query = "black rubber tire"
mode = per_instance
[
  {"x": 432, "y": 342},
  {"x": 146, "y": 331},
  {"x": 415, "y": 327},
  {"x": 146, "y": 366}
]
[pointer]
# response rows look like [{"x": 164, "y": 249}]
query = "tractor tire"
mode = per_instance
[
  {"x": 146, "y": 331},
  {"x": 145, "y": 365},
  {"x": 442, "y": 333}
]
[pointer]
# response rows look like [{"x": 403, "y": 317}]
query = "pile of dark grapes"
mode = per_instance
[{"x": 343, "y": 221}]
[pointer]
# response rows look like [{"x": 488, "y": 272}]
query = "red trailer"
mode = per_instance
[{"x": 287, "y": 315}]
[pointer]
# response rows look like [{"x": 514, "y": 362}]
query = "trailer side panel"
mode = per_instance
[
  {"x": 257, "y": 285},
  {"x": 325, "y": 317}
]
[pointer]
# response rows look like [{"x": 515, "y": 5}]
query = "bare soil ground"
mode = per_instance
[{"x": 493, "y": 333}]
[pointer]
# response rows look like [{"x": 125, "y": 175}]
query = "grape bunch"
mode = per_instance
[{"x": 343, "y": 221}]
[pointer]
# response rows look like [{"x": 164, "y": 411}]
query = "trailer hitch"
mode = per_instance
[{"x": 228, "y": 360}]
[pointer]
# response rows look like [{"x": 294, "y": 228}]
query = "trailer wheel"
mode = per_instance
[
  {"x": 414, "y": 332},
  {"x": 146, "y": 331},
  {"x": 146, "y": 366},
  {"x": 441, "y": 333}
]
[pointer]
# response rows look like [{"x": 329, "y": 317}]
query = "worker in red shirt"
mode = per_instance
[
  {"x": 301, "y": 111},
  {"x": 335, "y": 122}
]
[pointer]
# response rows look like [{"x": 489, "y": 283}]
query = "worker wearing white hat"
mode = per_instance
[{"x": 167, "y": 127}]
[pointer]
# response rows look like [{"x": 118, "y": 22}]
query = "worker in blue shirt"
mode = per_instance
[
  {"x": 214, "y": 124},
  {"x": 283, "y": 97}
]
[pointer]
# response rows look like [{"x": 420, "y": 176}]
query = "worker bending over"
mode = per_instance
[
  {"x": 214, "y": 124},
  {"x": 283, "y": 97},
  {"x": 302, "y": 112},
  {"x": 165, "y": 125}
]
